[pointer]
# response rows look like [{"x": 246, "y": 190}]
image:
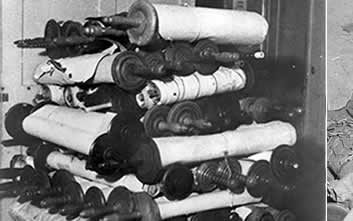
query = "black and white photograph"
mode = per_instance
[{"x": 178, "y": 110}]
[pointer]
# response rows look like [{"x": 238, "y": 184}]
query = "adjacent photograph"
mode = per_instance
[
  {"x": 340, "y": 110},
  {"x": 179, "y": 110}
]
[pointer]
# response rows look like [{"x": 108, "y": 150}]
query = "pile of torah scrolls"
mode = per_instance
[{"x": 138, "y": 118}]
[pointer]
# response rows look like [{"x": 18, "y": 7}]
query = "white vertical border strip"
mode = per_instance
[{"x": 326, "y": 105}]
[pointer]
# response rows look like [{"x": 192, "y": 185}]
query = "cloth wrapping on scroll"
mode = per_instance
[
  {"x": 69, "y": 71},
  {"x": 50, "y": 120},
  {"x": 194, "y": 23}
]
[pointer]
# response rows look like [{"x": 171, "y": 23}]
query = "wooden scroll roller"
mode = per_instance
[
  {"x": 13, "y": 121},
  {"x": 230, "y": 173},
  {"x": 69, "y": 39},
  {"x": 285, "y": 163},
  {"x": 125, "y": 68},
  {"x": 59, "y": 125},
  {"x": 154, "y": 154},
  {"x": 204, "y": 57},
  {"x": 73, "y": 197},
  {"x": 207, "y": 115},
  {"x": 140, "y": 204},
  {"x": 176, "y": 183},
  {"x": 52, "y": 31},
  {"x": 67, "y": 195},
  {"x": 211, "y": 175},
  {"x": 145, "y": 21},
  {"x": 57, "y": 160},
  {"x": 257, "y": 177},
  {"x": 156, "y": 124},
  {"x": 209, "y": 56},
  {"x": 103, "y": 98},
  {"x": 25, "y": 176},
  {"x": 78, "y": 39},
  {"x": 186, "y": 119},
  {"x": 89, "y": 129},
  {"x": 245, "y": 140},
  {"x": 212, "y": 114},
  {"x": 109, "y": 97},
  {"x": 144, "y": 154},
  {"x": 74, "y": 40},
  {"x": 70, "y": 194},
  {"x": 96, "y": 28},
  {"x": 47, "y": 158},
  {"x": 84, "y": 195},
  {"x": 180, "y": 88},
  {"x": 27, "y": 180}
]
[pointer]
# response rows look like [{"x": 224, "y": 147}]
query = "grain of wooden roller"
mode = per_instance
[
  {"x": 47, "y": 158},
  {"x": 89, "y": 129},
  {"x": 57, "y": 182},
  {"x": 147, "y": 155},
  {"x": 176, "y": 182},
  {"x": 102, "y": 98},
  {"x": 25, "y": 178},
  {"x": 174, "y": 185},
  {"x": 124, "y": 68},
  {"x": 93, "y": 197}
]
